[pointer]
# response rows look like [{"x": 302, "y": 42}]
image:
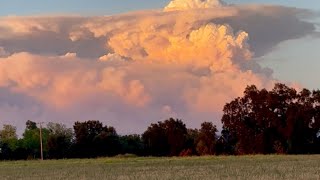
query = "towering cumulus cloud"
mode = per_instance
[
  {"x": 132, "y": 69},
  {"x": 192, "y": 4}
]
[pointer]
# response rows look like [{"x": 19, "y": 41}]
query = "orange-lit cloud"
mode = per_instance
[
  {"x": 66, "y": 80},
  {"x": 176, "y": 5},
  {"x": 187, "y": 61}
]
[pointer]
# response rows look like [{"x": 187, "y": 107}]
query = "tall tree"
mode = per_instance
[{"x": 276, "y": 121}]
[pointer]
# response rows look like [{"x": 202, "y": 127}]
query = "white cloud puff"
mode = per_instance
[
  {"x": 111, "y": 57},
  {"x": 192, "y": 4}
]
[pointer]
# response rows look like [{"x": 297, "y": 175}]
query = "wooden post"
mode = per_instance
[{"x": 41, "y": 146}]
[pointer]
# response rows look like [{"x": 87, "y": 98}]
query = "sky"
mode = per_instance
[
  {"x": 130, "y": 63},
  {"x": 107, "y": 7}
]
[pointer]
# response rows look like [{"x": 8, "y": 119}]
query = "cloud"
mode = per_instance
[
  {"x": 14, "y": 25},
  {"x": 133, "y": 69},
  {"x": 59, "y": 82},
  {"x": 192, "y": 4},
  {"x": 267, "y": 26},
  {"x": 3, "y": 53},
  {"x": 47, "y": 36},
  {"x": 210, "y": 46}
]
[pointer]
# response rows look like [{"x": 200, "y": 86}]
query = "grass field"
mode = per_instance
[{"x": 224, "y": 167}]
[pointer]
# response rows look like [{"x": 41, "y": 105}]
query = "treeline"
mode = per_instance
[
  {"x": 91, "y": 139},
  {"x": 281, "y": 121}
]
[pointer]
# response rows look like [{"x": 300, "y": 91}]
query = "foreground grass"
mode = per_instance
[{"x": 224, "y": 167}]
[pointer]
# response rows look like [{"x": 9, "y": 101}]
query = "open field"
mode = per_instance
[{"x": 224, "y": 167}]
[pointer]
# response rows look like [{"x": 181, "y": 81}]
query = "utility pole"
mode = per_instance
[{"x": 41, "y": 146}]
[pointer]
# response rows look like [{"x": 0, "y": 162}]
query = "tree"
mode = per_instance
[
  {"x": 9, "y": 136},
  {"x": 254, "y": 119},
  {"x": 107, "y": 143},
  {"x": 85, "y": 132},
  {"x": 166, "y": 138},
  {"x": 92, "y": 139},
  {"x": 8, "y": 142},
  {"x": 206, "y": 141},
  {"x": 155, "y": 140},
  {"x": 30, "y": 125},
  {"x": 8, "y": 132},
  {"x": 276, "y": 121},
  {"x": 31, "y": 140},
  {"x": 226, "y": 143},
  {"x": 191, "y": 141},
  {"x": 176, "y": 133},
  {"x": 132, "y": 144},
  {"x": 59, "y": 140}
]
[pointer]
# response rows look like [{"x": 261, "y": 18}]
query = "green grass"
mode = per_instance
[{"x": 222, "y": 167}]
